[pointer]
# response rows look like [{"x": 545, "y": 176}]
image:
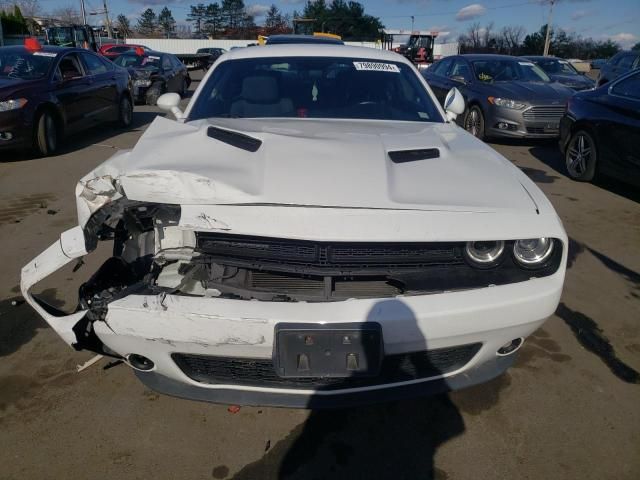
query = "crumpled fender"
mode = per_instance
[{"x": 69, "y": 246}]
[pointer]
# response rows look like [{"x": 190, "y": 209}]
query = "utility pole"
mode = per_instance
[
  {"x": 106, "y": 14},
  {"x": 83, "y": 12},
  {"x": 547, "y": 39}
]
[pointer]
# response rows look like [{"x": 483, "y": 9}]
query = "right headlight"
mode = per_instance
[
  {"x": 532, "y": 252},
  {"x": 506, "y": 103}
]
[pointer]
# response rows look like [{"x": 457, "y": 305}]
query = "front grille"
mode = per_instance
[
  {"x": 259, "y": 250},
  {"x": 546, "y": 113},
  {"x": 540, "y": 130},
  {"x": 261, "y": 373},
  {"x": 340, "y": 287}
]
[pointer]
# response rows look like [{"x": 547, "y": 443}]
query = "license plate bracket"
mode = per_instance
[{"x": 335, "y": 350}]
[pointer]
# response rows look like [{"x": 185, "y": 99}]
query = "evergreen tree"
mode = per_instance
[
  {"x": 347, "y": 19},
  {"x": 147, "y": 23},
  {"x": 233, "y": 14},
  {"x": 213, "y": 19},
  {"x": 123, "y": 25},
  {"x": 197, "y": 16},
  {"x": 166, "y": 22}
]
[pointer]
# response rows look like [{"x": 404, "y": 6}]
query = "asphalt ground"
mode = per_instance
[{"x": 568, "y": 409}]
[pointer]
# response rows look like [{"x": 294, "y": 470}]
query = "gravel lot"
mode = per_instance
[{"x": 568, "y": 409}]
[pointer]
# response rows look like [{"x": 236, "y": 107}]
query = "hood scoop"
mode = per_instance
[
  {"x": 235, "y": 139},
  {"x": 403, "y": 156}
]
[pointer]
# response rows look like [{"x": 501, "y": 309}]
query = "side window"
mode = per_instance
[
  {"x": 626, "y": 61},
  {"x": 176, "y": 62},
  {"x": 69, "y": 67},
  {"x": 94, "y": 64},
  {"x": 460, "y": 69},
  {"x": 629, "y": 87},
  {"x": 166, "y": 63},
  {"x": 615, "y": 59},
  {"x": 442, "y": 67},
  {"x": 107, "y": 63}
]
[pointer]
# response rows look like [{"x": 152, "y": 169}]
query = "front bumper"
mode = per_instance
[
  {"x": 140, "y": 93},
  {"x": 518, "y": 126},
  {"x": 17, "y": 124},
  {"x": 158, "y": 327}
]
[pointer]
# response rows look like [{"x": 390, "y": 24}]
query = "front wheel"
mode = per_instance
[
  {"x": 474, "y": 122},
  {"x": 46, "y": 134},
  {"x": 154, "y": 93},
  {"x": 125, "y": 112},
  {"x": 581, "y": 156},
  {"x": 184, "y": 89}
]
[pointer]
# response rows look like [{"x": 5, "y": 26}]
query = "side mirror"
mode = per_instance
[
  {"x": 459, "y": 79},
  {"x": 169, "y": 103},
  {"x": 454, "y": 104}
]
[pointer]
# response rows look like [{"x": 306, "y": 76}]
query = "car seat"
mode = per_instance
[{"x": 260, "y": 97}]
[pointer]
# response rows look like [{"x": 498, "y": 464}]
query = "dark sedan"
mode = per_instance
[
  {"x": 600, "y": 131},
  {"x": 562, "y": 71},
  {"x": 619, "y": 64},
  {"x": 153, "y": 74},
  {"x": 214, "y": 53},
  {"x": 505, "y": 96},
  {"x": 47, "y": 92}
]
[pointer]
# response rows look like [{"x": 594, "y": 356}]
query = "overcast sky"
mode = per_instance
[{"x": 599, "y": 19}]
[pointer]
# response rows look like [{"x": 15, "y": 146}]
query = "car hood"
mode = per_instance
[
  {"x": 328, "y": 163},
  {"x": 531, "y": 92},
  {"x": 9, "y": 88},
  {"x": 573, "y": 80}
]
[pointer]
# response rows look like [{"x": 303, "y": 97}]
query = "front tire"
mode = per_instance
[
  {"x": 581, "y": 156},
  {"x": 46, "y": 134},
  {"x": 184, "y": 89},
  {"x": 154, "y": 93},
  {"x": 474, "y": 122},
  {"x": 125, "y": 112}
]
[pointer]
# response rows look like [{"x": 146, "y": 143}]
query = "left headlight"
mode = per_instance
[
  {"x": 506, "y": 103},
  {"x": 532, "y": 252},
  {"x": 13, "y": 104}
]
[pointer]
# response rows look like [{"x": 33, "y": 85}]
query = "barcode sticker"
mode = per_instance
[{"x": 376, "y": 67}]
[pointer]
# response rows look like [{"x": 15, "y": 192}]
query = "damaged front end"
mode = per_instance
[{"x": 155, "y": 256}]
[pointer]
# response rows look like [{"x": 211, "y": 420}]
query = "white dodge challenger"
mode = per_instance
[{"x": 313, "y": 231}]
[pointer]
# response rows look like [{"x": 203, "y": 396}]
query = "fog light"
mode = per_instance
[
  {"x": 511, "y": 347},
  {"x": 140, "y": 362},
  {"x": 503, "y": 126},
  {"x": 6, "y": 135}
]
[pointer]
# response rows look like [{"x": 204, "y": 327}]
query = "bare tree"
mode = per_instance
[
  {"x": 67, "y": 15},
  {"x": 486, "y": 35},
  {"x": 29, "y": 8},
  {"x": 474, "y": 34},
  {"x": 511, "y": 37}
]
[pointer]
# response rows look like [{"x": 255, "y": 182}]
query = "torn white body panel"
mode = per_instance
[{"x": 70, "y": 246}]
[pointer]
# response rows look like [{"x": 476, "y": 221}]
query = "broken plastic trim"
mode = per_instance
[
  {"x": 403, "y": 156},
  {"x": 235, "y": 139}
]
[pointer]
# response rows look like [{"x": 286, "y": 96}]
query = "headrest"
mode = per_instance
[{"x": 260, "y": 89}]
